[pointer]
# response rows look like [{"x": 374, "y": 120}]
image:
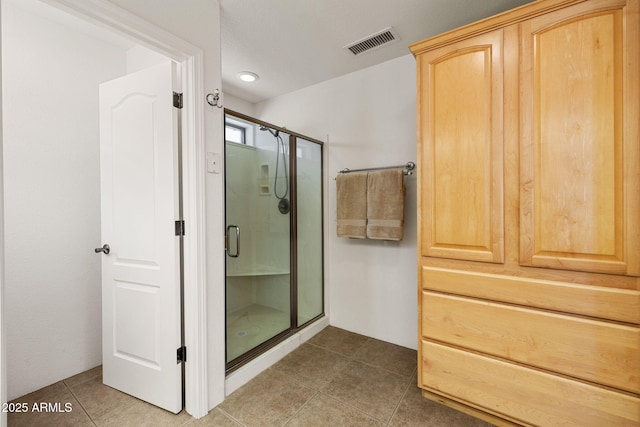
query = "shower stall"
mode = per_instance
[{"x": 274, "y": 235}]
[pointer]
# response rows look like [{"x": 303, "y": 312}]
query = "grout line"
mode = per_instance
[
  {"x": 351, "y": 406},
  {"x": 372, "y": 416},
  {"x": 353, "y": 357},
  {"x": 228, "y": 415},
  {"x": 301, "y": 408},
  {"x": 189, "y": 420},
  {"x": 330, "y": 350},
  {"x": 79, "y": 403},
  {"x": 408, "y": 377},
  {"x": 404, "y": 394},
  {"x": 355, "y": 353}
]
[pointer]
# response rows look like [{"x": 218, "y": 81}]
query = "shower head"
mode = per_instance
[{"x": 272, "y": 132}]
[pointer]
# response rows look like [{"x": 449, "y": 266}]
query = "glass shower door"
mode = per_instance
[
  {"x": 258, "y": 284},
  {"x": 309, "y": 229}
]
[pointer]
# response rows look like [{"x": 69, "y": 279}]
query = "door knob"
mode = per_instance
[{"x": 105, "y": 249}]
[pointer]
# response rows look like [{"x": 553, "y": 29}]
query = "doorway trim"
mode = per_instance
[{"x": 191, "y": 59}]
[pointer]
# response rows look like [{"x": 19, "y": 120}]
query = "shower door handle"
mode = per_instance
[{"x": 228, "y": 246}]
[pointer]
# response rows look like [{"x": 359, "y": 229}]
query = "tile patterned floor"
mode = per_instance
[{"x": 337, "y": 378}]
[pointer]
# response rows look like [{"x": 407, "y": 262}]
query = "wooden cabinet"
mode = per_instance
[{"x": 529, "y": 215}]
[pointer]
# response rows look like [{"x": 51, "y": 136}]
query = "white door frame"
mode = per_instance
[{"x": 190, "y": 57}]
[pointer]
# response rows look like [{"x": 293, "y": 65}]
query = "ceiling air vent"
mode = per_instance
[{"x": 374, "y": 41}]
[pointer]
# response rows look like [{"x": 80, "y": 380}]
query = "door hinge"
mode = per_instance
[
  {"x": 177, "y": 100},
  {"x": 182, "y": 354},
  {"x": 180, "y": 227}
]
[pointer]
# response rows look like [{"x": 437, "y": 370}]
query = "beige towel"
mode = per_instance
[
  {"x": 352, "y": 204},
  {"x": 385, "y": 204}
]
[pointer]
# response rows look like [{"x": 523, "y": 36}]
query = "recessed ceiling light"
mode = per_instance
[{"x": 248, "y": 76}]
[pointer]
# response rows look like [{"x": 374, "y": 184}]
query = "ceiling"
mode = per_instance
[{"x": 292, "y": 44}]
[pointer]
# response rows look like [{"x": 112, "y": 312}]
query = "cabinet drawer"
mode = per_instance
[
  {"x": 601, "y": 352},
  {"x": 522, "y": 394},
  {"x": 593, "y": 301}
]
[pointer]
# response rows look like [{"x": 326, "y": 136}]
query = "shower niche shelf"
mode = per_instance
[
  {"x": 265, "y": 189},
  {"x": 258, "y": 270}
]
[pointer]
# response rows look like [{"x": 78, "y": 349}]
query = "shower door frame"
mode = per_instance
[{"x": 294, "y": 328}]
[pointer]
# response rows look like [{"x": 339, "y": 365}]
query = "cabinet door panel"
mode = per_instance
[
  {"x": 461, "y": 150},
  {"x": 579, "y": 202}
]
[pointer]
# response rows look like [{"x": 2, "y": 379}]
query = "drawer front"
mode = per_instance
[
  {"x": 601, "y": 352},
  {"x": 522, "y": 394},
  {"x": 594, "y": 301}
]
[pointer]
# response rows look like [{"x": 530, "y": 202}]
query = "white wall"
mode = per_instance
[
  {"x": 52, "y": 196},
  {"x": 3, "y": 334},
  {"x": 369, "y": 120},
  {"x": 240, "y": 105}
]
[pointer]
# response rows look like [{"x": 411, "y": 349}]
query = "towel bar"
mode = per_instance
[{"x": 408, "y": 168}]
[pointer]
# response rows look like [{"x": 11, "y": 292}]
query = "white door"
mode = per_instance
[{"x": 141, "y": 319}]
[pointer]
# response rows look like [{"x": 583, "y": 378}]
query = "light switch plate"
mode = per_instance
[{"x": 213, "y": 162}]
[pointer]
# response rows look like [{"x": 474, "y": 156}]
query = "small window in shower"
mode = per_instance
[{"x": 235, "y": 133}]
